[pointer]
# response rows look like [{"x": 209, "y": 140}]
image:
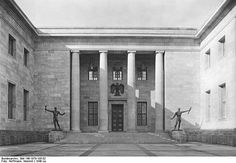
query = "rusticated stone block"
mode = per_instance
[
  {"x": 55, "y": 136},
  {"x": 180, "y": 136}
]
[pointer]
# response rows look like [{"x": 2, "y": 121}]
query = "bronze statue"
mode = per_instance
[
  {"x": 55, "y": 116},
  {"x": 178, "y": 117}
]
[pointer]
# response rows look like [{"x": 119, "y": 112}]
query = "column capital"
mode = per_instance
[
  {"x": 75, "y": 51},
  {"x": 159, "y": 52},
  {"x": 103, "y": 51},
  {"x": 131, "y": 51}
]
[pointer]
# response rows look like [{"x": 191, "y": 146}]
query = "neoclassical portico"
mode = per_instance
[{"x": 103, "y": 120}]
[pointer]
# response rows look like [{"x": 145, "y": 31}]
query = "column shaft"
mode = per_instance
[
  {"x": 103, "y": 90},
  {"x": 75, "y": 91},
  {"x": 131, "y": 83},
  {"x": 159, "y": 88}
]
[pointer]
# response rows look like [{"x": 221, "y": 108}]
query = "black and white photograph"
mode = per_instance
[{"x": 152, "y": 79}]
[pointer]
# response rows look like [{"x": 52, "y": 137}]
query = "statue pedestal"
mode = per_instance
[
  {"x": 55, "y": 136},
  {"x": 179, "y": 135}
]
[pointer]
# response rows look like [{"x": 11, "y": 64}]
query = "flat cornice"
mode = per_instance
[
  {"x": 116, "y": 31},
  {"x": 123, "y": 32}
]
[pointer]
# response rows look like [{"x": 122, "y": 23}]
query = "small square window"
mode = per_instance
[
  {"x": 93, "y": 73},
  {"x": 12, "y": 45},
  {"x": 26, "y": 57},
  {"x": 117, "y": 74},
  {"x": 142, "y": 73}
]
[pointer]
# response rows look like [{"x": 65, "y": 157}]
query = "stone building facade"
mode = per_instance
[{"x": 116, "y": 79}]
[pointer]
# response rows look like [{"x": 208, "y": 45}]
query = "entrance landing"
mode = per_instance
[{"x": 116, "y": 138}]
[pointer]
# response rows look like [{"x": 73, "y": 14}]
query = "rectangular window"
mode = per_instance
[
  {"x": 142, "y": 113},
  {"x": 208, "y": 105},
  {"x": 222, "y": 46},
  {"x": 26, "y": 56},
  {"x": 142, "y": 74},
  {"x": 222, "y": 110},
  {"x": 117, "y": 74},
  {"x": 25, "y": 104},
  {"x": 11, "y": 100},
  {"x": 11, "y": 45},
  {"x": 92, "y": 113},
  {"x": 208, "y": 58},
  {"x": 93, "y": 73}
]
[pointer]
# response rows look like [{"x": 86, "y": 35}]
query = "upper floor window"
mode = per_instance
[
  {"x": 208, "y": 105},
  {"x": 142, "y": 113},
  {"x": 222, "y": 46},
  {"x": 117, "y": 73},
  {"x": 222, "y": 110},
  {"x": 142, "y": 73},
  {"x": 11, "y": 101},
  {"x": 92, "y": 113},
  {"x": 93, "y": 73},
  {"x": 26, "y": 57},
  {"x": 12, "y": 45},
  {"x": 208, "y": 58}
]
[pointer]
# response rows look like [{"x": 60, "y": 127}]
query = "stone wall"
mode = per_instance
[
  {"x": 182, "y": 80},
  {"x": 222, "y": 70},
  {"x": 52, "y": 88},
  {"x": 12, "y": 68},
  {"x": 89, "y": 89},
  {"x": 10, "y": 137},
  {"x": 223, "y": 137}
]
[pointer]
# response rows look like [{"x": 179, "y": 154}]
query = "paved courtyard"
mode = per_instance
[{"x": 189, "y": 149}]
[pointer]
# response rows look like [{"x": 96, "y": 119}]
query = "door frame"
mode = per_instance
[
  {"x": 122, "y": 108},
  {"x": 124, "y": 103}
]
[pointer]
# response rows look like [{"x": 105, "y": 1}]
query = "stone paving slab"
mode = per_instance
[
  {"x": 188, "y": 149},
  {"x": 117, "y": 147},
  {"x": 118, "y": 153}
]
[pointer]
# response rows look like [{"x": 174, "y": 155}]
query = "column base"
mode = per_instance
[
  {"x": 158, "y": 131},
  {"x": 76, "y": 131},
  {"x": 132, "y": 131}
]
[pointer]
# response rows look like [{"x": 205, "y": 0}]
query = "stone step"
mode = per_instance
[{"x": 116, "y": 138}]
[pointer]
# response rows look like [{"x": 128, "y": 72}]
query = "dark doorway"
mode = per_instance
[{"x": 117, "y": 117}]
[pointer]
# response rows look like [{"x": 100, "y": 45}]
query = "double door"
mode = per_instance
[{"x": 117, "y": 117}]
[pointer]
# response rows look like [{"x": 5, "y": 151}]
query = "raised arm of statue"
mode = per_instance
[
  {"x": 48, "y": 110},
  {"x": 187, "y": 110}
]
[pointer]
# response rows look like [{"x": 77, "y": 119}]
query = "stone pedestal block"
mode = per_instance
[
  {"x": 180, "y": 136},
  {"x": 55, "y": 136}
]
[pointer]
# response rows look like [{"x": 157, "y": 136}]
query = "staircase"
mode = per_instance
[{"x": 116, "y": 138}]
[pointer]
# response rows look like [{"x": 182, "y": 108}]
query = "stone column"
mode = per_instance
[
  {"x": 75, "y": 91},
  {"x": 103, "y": 90},
  {"x": 159, "y": 88},
  {"x": 131, "y": 80}
]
